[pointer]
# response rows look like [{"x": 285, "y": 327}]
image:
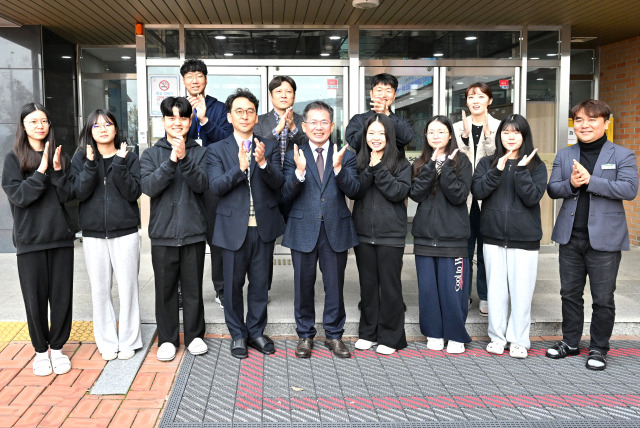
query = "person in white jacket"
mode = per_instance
[{"x": 475, "y": 135}]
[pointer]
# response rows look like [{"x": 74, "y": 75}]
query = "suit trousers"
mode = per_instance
[
  {"x": 186, "y": 264},
  {"x": 252, "y": 260},
  {"x": 443, "y": 294},
  {"x": 46, "y": 280},
  {"x": 104, "y": 258},
  {"x": 332, "y": 266},
  {"x": 382, "y": 307},
  {"x": 210, "y": 205},
  {"x": 577, "y": 260}
]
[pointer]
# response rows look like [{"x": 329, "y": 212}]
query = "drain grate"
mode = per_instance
[{"x": 414, "y": 387}]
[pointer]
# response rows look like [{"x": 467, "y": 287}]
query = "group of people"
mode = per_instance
[{"x": 227, "y": 176}]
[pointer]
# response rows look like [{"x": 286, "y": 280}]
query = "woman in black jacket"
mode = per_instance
[
  {"x": 37, "y": 180},
  {"x": 107, "y": 183},
  {"x": 380, "y": 218},
  {"x": 441, "y": 184},
  {"x": 510, "y": 184}
]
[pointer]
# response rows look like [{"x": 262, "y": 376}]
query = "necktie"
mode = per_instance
[
  {"x": 247, "y": 146},
  {"x": 320, "y": 163}
]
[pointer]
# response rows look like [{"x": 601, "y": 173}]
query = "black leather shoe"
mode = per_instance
[
  {"x": 561, "y": 350},
  {"x": 263, "y": 344},
  {"x": 239, "y": 348},
  {"x": 304, "y": 347},
  {"x": 338, "y": 347}
]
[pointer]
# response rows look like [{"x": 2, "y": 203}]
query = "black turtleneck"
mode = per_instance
[{"x": 589, "y": 153}]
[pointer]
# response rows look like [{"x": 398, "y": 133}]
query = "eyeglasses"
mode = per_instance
[
  {"x": 34, "y": 123},
  {"x": 316, "y": 124},
  {"x": 242, "y": 111},
  {"x": 439, "y": 133},
  {"x": 191, "y": 77},
  {"x": 106, "y": 125}
]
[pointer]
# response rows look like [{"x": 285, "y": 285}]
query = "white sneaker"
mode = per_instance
[
  {"x": 61, "y": 364},
  {"x": 197, "y": 347},
  {"x": 454, "y": 347},
  {"x": 108, "y": 356},
  {"x": 495, "y": 348},
  {"x": 363, "y": 344},
  {"x": 166, "y": 352},
  {"x": 435, "y": 344},
  {"x": 518, "y": 351},
  {"x": 42, "y": 366},
  {"x": 483, "y": 308},
  {"x": 126, "y": 355},
  {"x": 385, "y": 350}
]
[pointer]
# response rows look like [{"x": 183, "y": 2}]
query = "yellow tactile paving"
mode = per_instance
[
  {"x": 81, "y": 331},
  {"x": 3, "y": 345},
  {"x": 9, "y": 330}
]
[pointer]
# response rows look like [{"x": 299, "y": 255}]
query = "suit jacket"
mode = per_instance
[
  {"x": 266, "y": 123},
  {"x": 216, "y": 128},
  {"x": 315, "y": 201},
  {"x": 607, "y": 188},
  {"x": 232, "y": 185}
]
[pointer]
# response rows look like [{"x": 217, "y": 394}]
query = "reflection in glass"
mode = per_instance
[
  {"x": 543, "y": 45},
  {"x": 162, "y": 43},
  {"x": 108, "y": 60}
]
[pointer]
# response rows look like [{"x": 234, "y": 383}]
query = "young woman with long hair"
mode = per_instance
[
  {"x": 510, "y": 184},
  {"x": 38, "y": 182},
  {"x": 441, "y": 184},
  {"x": 107, "y": 183},
  {"x": 380, "y": 218}
]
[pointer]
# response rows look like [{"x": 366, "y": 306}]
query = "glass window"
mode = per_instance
[
  {"x": 541, "y": 107},
  {"x": 161, "y": 43},
  {"x": 543, "y": 45},
  {"x": 413, "y": 44},
  {"x": 582, "y": 61},
  {"x": 108, "y": 60},
  {"x": 265, "y": 44},
  {"x": 579, "y": 91}
]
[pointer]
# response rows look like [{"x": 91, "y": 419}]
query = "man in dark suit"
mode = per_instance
[
  {"x": 592, "y": 178},
  {"x": 320, "y": 227},
  {"x": 383, "y": 94},
  {"x": 208, "y": 125},
  {"x": 244, "y": 171}
]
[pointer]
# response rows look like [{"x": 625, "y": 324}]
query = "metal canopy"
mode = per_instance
[{"x": 113, "y": 22}]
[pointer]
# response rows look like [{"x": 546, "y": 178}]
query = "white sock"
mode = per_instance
[
  {"x": 42, "y": 355},
  {"x": 56, "y": 353}
]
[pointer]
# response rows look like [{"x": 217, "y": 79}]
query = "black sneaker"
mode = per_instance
[{"x": 220, "y": 299}]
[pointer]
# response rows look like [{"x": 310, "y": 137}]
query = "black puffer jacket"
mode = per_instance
[
  {"x": 510, "y": 203},
  {"x": 40, "y": 220},
  {"x": 108, "y": 199},
  {"x": 177, "y": 193},
  {"x": 442, "y": 218},
  {"x": 379, "y": 212}
]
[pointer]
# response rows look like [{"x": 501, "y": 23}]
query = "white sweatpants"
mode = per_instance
[
  {"x": 104, "y": 258},
  {"x": 511, "y": 279}
]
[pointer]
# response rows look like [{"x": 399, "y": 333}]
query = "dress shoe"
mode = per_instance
[
  {"x": 338, "y": 347},
  {"x": 263, "y": 344},
  {"x": 239, "y": 348},
  {"x": 304, "y": 347}
]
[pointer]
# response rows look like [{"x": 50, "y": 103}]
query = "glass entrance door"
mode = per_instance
[{"x": 328, "y": 84}]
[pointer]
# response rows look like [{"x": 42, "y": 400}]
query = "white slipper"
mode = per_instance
[
  {"x": 125, "y": 355},
  {"x": 61, "y": 364},
  {"x": 42, "y": 366}
]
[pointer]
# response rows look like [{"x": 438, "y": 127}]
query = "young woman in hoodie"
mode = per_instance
[
  {"x": 107, "y": 183},
  {"x": 38, "y": 182},
  {"x": 441, "y": 184},
  {"x": 510, "y": 184},
  {"x": 380, "y": 218}
]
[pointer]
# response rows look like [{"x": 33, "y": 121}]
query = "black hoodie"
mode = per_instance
[{"x": 177, "y": 191}]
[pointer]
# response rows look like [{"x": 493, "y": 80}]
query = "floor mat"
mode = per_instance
[{"x": 414, "y": 387}]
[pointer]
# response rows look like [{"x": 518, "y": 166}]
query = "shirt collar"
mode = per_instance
[{"x": 240, "y": 140}]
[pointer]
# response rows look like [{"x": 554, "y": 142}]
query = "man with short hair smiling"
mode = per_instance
[
  {"x": 173, "y": 175},
  {"x": 592, "y": 178},
  {"x": 383, "y": 94},
  {"x": 320, "y": 228},
  {"x": 245, "y": 172},
  {"x": 209, "y": 124}
]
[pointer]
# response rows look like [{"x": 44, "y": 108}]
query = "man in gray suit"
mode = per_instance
[{"x": 592, "y": 178}]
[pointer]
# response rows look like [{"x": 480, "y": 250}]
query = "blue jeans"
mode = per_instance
[{"x": 577, "y": 260}]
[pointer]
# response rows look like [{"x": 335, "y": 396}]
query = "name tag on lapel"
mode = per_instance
[{"x": 608, "y": 166}]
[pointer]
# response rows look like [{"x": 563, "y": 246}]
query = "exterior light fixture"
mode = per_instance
[
  {"x": 365, "y": 4},
  {"x": 220, "y": 37},
  {"x": 470, "y": 38}
]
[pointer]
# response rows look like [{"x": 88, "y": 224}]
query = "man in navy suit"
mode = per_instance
[
  {"x": 592, "y": 178},
  {"x": 320, "y": 227},
  {"x": 244, "y": 170}
]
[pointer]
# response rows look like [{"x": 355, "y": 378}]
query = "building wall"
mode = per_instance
[{"x": 620, "y": 88}]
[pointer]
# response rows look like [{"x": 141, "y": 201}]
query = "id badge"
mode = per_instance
[
  {"x": 199, "y": 141},
  {"x": 608, "y": 166}
]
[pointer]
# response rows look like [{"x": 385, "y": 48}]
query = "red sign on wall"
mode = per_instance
[
  {"x": 504, "y": 83},
  {"x": 332, "y": 83}
]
